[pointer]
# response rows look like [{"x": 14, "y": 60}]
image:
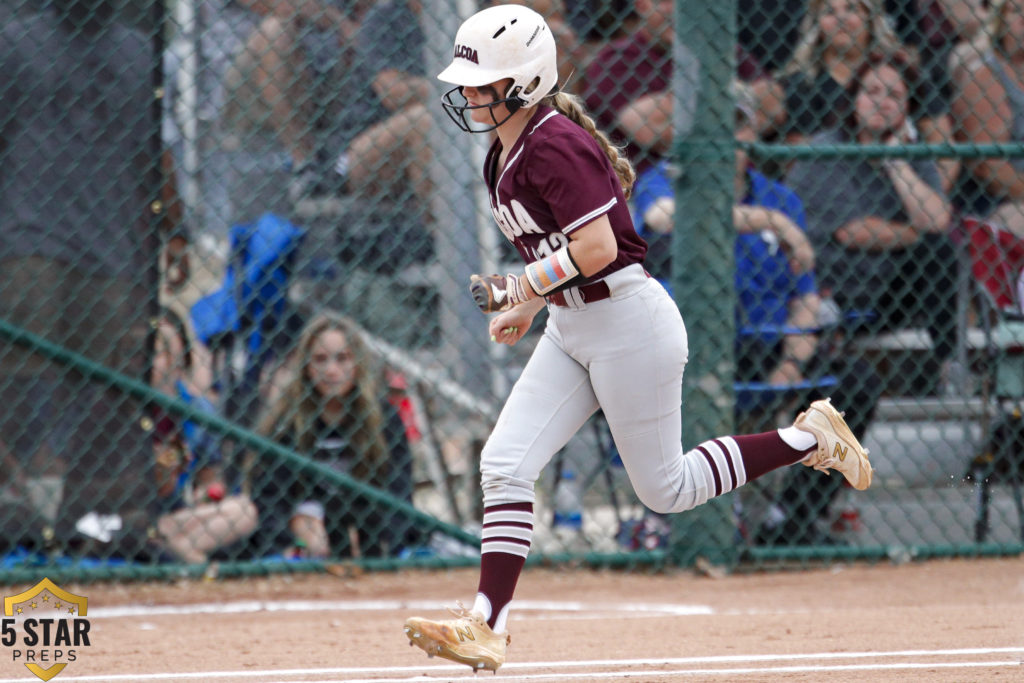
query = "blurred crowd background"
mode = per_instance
[{"x": 236, "y": 238}]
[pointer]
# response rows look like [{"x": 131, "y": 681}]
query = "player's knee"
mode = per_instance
[
  {"x": 491, "y": 479},
  {"x": 664, "y": 501},
  {"x": 501, "y": 487},
  {"x": 656, "y": 504}
]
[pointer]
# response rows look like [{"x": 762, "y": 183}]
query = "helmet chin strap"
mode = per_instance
[{"x": 512, "y": 101}]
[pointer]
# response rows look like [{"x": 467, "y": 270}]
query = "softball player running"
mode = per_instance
[{"x": 614, "y": 338}]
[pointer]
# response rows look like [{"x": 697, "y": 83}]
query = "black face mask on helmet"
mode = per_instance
[{"x": 461, "y": 114}]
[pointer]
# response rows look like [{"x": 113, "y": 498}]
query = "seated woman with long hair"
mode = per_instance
[{"x": 331, "y": 406}]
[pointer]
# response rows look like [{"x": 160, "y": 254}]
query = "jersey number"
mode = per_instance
[
  {"x": 514, "y": 220},
  {"x": 549, "y": 245}
]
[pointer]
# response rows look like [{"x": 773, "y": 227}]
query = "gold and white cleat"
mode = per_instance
[
  {"x": 838, "y": 448},
  {"x": 466, "y": 639}
]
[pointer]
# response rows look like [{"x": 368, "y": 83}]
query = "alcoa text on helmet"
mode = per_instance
[{"x": 505, "y": 41}]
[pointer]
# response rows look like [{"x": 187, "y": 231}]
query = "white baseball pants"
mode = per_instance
[{"x": 624, "y": 354}]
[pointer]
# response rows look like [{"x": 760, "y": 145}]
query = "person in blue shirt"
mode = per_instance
[{"x": 778, "y": 314}]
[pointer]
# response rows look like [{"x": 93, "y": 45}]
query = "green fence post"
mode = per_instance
[{"x": 702, "y": 260}]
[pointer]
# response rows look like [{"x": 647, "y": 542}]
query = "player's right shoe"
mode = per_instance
[
  {"x": 838, "y": 448},
  {"x": 466, "y": 639}
]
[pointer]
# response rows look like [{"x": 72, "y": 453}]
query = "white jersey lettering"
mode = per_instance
[
  {"x": 514, "y": 220},
  {"x": 524, "y": 219},
  {"x": 505, "y": 222}
]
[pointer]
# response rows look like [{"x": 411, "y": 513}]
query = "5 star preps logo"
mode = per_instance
[{"x": 44, "y": 627}]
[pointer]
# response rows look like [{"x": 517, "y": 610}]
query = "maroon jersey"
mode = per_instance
[{"x": 557, "y": 179}]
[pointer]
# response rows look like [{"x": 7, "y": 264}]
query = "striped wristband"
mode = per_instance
[{"x": 552, "y": 272}]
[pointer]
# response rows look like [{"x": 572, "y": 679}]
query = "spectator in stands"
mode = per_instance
[
  {"x": 391, "y": 157},
  {"x": 366, "y": 191},
  {"x": 775, "y": 290},
  {"x": 950, "y": 37},
  {"x": 596, "y": 23},
  {"x": 628, "y": 85},
  {"x": 197, "y": 509},
  {"x": 989, "y": 107},
  {"x": 334, "y": 410},
  {"x": 812, "y": 92},
  {"x": 880, "y": 228},
  {"x": 298, "y": 78},
  {"x": 948, "y": 34},
  {"x": 341, "y": 84},
  {"x": 966, "y": 26},
  {"x": 397, "y": 146},
  {"x": 78, "y": 178}
]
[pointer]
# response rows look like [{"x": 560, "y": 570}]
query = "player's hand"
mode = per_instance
[
  {"x": 510, "y": 326},
  {"x": 493, "y": 293}
]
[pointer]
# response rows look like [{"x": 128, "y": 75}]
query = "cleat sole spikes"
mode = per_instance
[{"x": 483, "y": 649}]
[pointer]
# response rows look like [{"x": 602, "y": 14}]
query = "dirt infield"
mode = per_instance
[{"x": 956, "y": 620}]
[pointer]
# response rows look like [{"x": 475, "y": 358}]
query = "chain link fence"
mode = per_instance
[{"x": 236, "y": 240}]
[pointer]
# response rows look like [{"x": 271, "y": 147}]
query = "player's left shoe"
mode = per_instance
[
  {"x": 838, "y": 449},
  {"x": 466, "y": 639}
]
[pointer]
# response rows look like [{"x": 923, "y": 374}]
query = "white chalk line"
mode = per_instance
[
  {"x": 416, "y": 673},
  {"x": 592, "y": 675},
  {"x": 557, "y": 609},
  {"x": 569, "y": 608},
  {"x": 252, "y": 606}
]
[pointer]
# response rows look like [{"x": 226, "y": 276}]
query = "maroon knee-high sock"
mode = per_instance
[
  {"x": 507, "y": 531},
  {"x": 765, "y": 452}
]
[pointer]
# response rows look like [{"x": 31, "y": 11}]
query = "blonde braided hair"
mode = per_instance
[{"x": 572, "y": 107}]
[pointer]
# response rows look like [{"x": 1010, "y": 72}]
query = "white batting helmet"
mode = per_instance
[{"x": 504, "y": 41}]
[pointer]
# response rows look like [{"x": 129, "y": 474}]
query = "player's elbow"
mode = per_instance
[{"x": 596, "y": 257}]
